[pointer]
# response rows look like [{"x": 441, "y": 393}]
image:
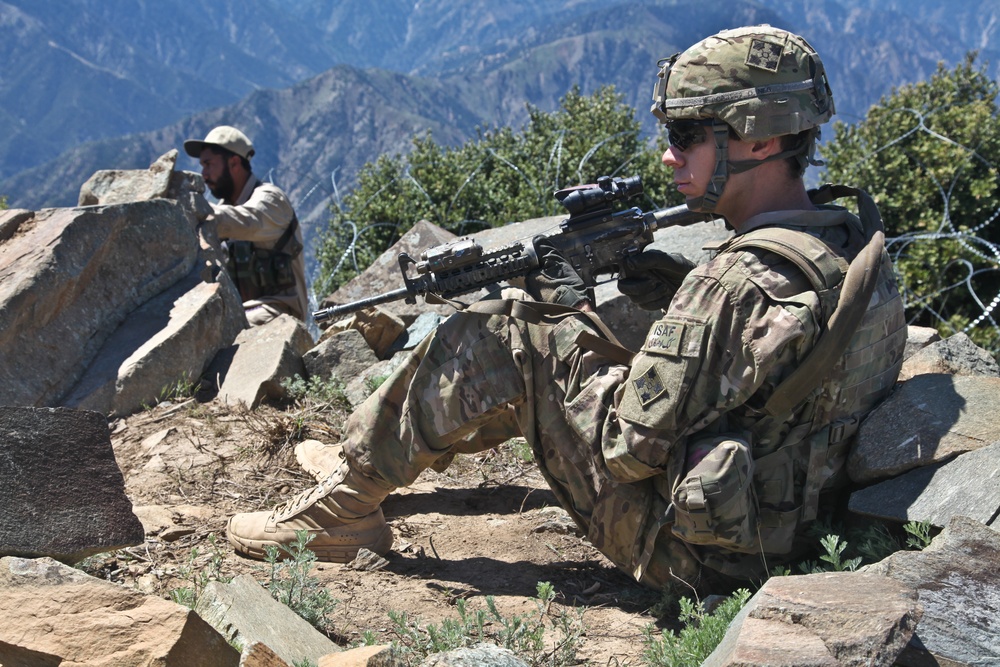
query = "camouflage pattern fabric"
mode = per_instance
[
  {"x": 612, "y": 440},
  {"x": 761, "y": 81}
]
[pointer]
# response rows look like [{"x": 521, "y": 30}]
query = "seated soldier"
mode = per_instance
[{"x": 706, "y": 456}]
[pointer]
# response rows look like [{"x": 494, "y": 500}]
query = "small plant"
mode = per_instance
[
  {"x": 524, "y": 634},
  {"x": 291, "y": 583},
  {"x": 919, "y": 533},
  {"x": 373, "y": 383},
  {"x": 315, "y": 390},
  {"x": 701, "y": 633},
  {"x": 181, "y": 389},
  {"x": 199, "y": 577}
]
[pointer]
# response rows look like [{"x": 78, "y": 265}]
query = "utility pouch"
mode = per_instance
[
  {"x": 713, "y": 500},
  {"x": 241, "y": 265},
  {"x": 272, "y": 271}
]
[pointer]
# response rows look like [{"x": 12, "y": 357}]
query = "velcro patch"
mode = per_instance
[
  {"x": 648, "y": 386},
  {"x": 764, "y": 55},
  {"x": 665, "y": 337}
]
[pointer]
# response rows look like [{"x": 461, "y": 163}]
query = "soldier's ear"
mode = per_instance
[{"x": 766, "y": 148}]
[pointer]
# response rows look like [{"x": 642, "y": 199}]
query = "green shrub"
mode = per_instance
[{"x": 701, "y": 633}]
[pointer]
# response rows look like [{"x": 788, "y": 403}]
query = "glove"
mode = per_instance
[
  {"x": 555, "y": 281},
  {"x": 653, "y": 278}
]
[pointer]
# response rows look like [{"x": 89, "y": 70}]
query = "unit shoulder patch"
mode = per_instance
[
  {"x": 648, "y": 386},
  {"x": 764, "y": 55}
]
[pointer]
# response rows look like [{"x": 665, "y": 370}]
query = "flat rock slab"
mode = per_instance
[
  {"x": 260, "y": 358},
  {"x": 968, "y": 485},
  {"x": 834, "y": 618},
  {"x": 61, "y": 490},
  {"x": 929, "y": 419},
  {"x": 957, "y": 579},
  {"x": 57, "y": 615},
  {"x": 245, "y": 612}
]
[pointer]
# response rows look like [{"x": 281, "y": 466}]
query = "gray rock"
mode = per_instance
[
  {"x": 360, "y": 387},
  {"x": 56, "y": 615},
  {"x": 968, "y": 485},
  {"x": 344, "y": 355},
  {"x": 255, "y": 365},
  {"x": 242, "y": 610},
  {"x": 69, "y": 281},
  {"x": 61, "y": 490},
  {"x": 482, "y": 655},
  {"x": 930, "y": 418},
  {"x": 11, "y": 220},
  {"x": 917, "y": 338},
  {"x": 956, "y": 355},
  {"x": 835, "y": 618},
  {"x": 117, "y": 186},
  {"x": 417, "y": 331},
  {"x": 172, "y": 337},
  {"x": 957, "y": 579}
]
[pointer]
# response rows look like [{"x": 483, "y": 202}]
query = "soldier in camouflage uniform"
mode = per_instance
[{"x": 690, "y": 463}]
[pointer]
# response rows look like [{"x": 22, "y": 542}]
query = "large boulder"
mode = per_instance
[
  {"x": 929, "y": 419},
  {"x": 70, "y": 277},
  {"x": 261, "y": 358},
  {"x": 171, "y": 338},
  {"x": 61, "y": 490},
  {"x": 834, "y": 618},
  {"x": 56, "y": 615},
  {"x": 967, "y": 485},
  {"x": 957, "y": 579}
]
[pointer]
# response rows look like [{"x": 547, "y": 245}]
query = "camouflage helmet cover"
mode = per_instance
[{"x": 761, "y": 81}]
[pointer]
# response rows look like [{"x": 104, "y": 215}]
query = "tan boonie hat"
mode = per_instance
[{"x": 223, "y": 136}]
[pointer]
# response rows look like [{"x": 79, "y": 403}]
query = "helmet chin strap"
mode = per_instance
[
  {"x": 724, "y": 166},
  {"x": 707, "y": 202}
]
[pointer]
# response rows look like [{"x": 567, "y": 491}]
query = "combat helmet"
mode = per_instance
[{"x": 760, "y": 81}]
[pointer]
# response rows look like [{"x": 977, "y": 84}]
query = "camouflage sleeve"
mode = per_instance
[{"x": 729, "y": 331}]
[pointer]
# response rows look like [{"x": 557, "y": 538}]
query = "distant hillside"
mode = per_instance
[{"x": 115, "y": 83}]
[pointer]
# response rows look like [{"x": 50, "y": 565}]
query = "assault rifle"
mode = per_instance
[{"x": 594, "y": 240}]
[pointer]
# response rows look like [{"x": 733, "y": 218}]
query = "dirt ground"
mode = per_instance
[{"x": 487, "y": 526}]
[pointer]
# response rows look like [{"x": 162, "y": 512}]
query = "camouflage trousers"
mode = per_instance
[{"x": 484, "y": 377}]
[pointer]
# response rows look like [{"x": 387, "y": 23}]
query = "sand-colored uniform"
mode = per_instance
[
  {"x": 613, "y": 439},
  {"x": 261, "y": 214}
]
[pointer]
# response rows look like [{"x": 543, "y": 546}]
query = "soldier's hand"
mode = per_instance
[
  {"x": 556, "y": 281},
  {"x": 653, "y": 277}
]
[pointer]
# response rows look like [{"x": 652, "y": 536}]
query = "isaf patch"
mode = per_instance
[
  {"x": 764, "y": 55},
  {"x": 665, "y": 337},
  {"x": 648, "y": 386}
]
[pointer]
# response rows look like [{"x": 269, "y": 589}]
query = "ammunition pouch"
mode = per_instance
[
  {"x": 714, "y": 500},
  {"x": 261, "y": 272}
]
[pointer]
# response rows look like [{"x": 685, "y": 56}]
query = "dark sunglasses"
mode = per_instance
[{"x": 683, "y": 134}]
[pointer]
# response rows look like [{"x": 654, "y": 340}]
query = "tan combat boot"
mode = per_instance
[
  {"x": 342, "y": 513},
  {"x": 318, "y": 459}
]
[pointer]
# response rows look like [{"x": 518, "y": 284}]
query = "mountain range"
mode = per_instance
[{"x": 323, "y": 86}]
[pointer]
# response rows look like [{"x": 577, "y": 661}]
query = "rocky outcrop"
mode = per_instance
[
  {"x": 67, "y": 617},
  {"x": 104, "y": 305},
  {"x": 836, "y": 618}
]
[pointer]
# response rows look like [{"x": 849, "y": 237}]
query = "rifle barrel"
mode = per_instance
[{"x": 344, "y": 309}]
